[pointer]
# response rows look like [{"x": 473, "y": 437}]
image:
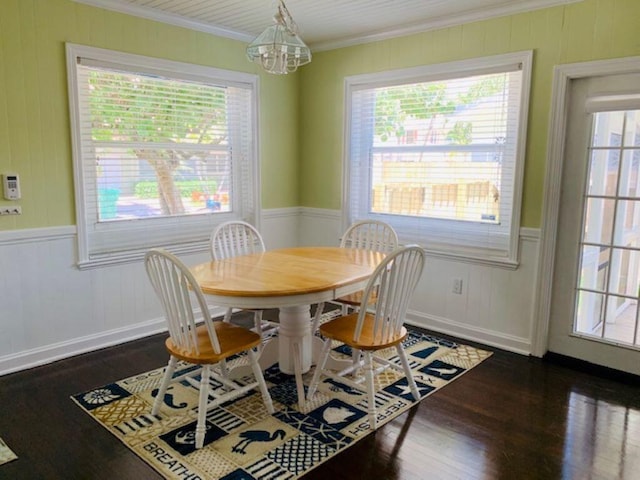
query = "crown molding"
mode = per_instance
[
  {"x": 442, "y": 22},
  {"x": 169, "y": 18},
  {"x": 436, "y": 23}
]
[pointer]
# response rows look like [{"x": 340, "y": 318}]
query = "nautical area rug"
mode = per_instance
[
  {"x": 6, "y": 455},
  {"x": 243, "y": 441}
]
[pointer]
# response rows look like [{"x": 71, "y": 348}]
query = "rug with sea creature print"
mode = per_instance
[{"x": 243, "y": 441}]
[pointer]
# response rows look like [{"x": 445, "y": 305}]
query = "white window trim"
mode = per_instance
[
  {"x": 444, "y": 71},
  {"x": 200, "y": 224}
]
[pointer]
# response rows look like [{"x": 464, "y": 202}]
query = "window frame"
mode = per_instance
[
  {"x": 180, "y": 234},
  {"x": 426, "y": 73}
]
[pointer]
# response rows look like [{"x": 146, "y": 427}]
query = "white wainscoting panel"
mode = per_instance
[
  {"x": 51, "y": 310},
  {"x": 496, "y": 304},
  {"x": 320, "y": 227},
  {"x": 494, "y": 308},
  {"x": 279, "y": 227}
]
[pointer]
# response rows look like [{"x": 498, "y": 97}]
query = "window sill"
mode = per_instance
[
  {"x": 498, "y": 262},
  {"x": 136, "y": 256}
]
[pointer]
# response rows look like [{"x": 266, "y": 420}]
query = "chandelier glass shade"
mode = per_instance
[{"x": 279, "y": 49}]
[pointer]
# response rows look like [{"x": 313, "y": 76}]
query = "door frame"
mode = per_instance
[{"x": 558, "y": 117}]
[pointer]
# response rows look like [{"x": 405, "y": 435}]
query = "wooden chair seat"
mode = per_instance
[
  {"x": 342, "y": 329},
  {"x": 232, "y": 339}
]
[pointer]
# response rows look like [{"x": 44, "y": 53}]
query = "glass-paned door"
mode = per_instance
[
  {"x": 594, "y": 305},
  {"x": 608, "y": 279}
]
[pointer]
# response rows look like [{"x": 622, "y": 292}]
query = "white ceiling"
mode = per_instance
[{"x": 323, "y": 24}]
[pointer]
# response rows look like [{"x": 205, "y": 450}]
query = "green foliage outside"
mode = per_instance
[
  {"x": 460, "y": 134},
  {"x": 185, "y": 187},
  {"x": 394, "y": 106},
  {"x": 137, "y": 108},
  {"x": 140, "y": 110}
]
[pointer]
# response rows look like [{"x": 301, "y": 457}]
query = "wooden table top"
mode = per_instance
[{"x": 288, "y": 271}]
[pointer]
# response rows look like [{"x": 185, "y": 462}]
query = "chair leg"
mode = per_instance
[
  {"x": 227, "y": 315},
  {"x": 224, "y": 370},
  {"x": 166, "y": 380},
  {"x": 316, "y": 318},
  {"x": 355, "y": 356},
  {"x": 257, "y": 322},
  {"x": 407, "y": 372},
  {"x": 266, "y": 396},
  {"x": 324, "y": 356},
  {"x": 371, "y": 393},
  {"x": 297, "y": 370},
  {"x": 201, "y": 428},
  {"x": 355, "y": 353}
]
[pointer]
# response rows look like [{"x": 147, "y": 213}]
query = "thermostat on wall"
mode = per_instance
[{"x": 11, "y": 184}]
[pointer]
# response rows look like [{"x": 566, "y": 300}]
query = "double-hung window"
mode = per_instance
[
  {"x": 163, "y": 151},
  {"x": 438, "y": 153}
]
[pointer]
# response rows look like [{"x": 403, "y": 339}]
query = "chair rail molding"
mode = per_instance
[{"x": 10, "y": 237}]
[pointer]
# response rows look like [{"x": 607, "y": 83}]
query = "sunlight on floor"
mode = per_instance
[{"x": 623, "y": 328}]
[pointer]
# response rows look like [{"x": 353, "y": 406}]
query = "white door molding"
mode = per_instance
[{"x": 562, "y": 77}]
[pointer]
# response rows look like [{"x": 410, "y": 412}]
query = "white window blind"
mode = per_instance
[
  {"x": 437, "y": 152},
  {"x": 163, "y": 151}
]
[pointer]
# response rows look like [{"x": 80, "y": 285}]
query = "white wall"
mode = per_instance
[{"x": 52, "y": 310}]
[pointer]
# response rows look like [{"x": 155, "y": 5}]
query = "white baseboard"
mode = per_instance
[
  {"x": 58, "y": 351},
  {"x": 471, "y": 333}
]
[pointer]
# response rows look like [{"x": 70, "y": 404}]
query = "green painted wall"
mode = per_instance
[
  {"x": 578, "y": 32},
  {"x": 301, "y": 116},
  {"x": 34, "y": 119}
]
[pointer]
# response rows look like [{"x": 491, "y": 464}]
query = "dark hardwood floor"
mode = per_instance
[{"x": 512, "y": 417}]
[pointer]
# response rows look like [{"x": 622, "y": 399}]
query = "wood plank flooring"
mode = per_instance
[{"x": 512, "y": 417}]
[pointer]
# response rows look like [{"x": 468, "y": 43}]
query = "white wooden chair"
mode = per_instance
[
  {"x": 206, "y": 345},
  {"x": 233, "y": 238},
  {"x": 373, "y": 235},
  {"x": 377, "y": 325}
]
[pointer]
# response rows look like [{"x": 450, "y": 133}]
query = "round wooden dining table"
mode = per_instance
[{"x": 290, "y": 279}]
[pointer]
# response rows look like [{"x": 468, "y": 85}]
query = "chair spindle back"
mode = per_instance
[
  {"x": 389, "y": 291},
  {"x": 234, "y": 238},
  {"x": 371, "y": 235},
  {"x": 181, "y": 299}
]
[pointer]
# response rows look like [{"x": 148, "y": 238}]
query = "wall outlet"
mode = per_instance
[
  {"x": 457, "y": 286},
  {"x": 11, "y": 210}
]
